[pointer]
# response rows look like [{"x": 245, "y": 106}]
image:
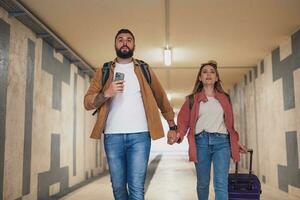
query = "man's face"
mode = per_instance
[{"x": 124, "y": 45}]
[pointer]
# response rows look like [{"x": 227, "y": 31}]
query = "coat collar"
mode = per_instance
[
  {"x": 135, "y": 62},
  {"x": 200, "y": 96}
]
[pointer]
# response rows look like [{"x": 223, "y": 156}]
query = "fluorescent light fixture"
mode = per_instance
[
  {"x": 169, "y": 95},
  {"x": 167, "y": 56}
]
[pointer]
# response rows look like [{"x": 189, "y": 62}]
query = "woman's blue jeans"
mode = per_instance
[
  {"x": 128, "y": 156},
  {"x": 212, "y": 148}
]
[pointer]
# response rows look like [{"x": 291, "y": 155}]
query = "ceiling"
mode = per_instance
[{"x": 235, "y": 33}]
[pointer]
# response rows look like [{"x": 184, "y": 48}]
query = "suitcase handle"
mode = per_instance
[{"x": 250, "y": 170}]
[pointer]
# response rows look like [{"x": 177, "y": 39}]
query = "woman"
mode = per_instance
[{"x": 207, "y": 119}]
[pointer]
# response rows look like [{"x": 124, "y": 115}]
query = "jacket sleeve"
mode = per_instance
[
  {"x": 93, "y": 90},
  {"x": 161, "y": 97},
  {"x": 231, "y": 116},
  {"x": 183, "y": 120}
]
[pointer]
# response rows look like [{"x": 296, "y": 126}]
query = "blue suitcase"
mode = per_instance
[{"x": 244, "y": 186}]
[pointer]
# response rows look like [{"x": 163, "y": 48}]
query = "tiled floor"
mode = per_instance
[{"x": 174, "y": 179}]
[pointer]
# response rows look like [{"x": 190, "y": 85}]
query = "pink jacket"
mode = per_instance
[{"x": 187, "y": 119}]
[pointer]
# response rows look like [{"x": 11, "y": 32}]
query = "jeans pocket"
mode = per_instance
[
  {"x": 222, "y": 135},
  {"x": 110, "y": 138},
  {"x": 106, "y": 136},
  {"x": 201, "y": 140},
  {"x": 198, "y": 136}
]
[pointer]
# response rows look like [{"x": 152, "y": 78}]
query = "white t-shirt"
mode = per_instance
[
  {"x": 211, "y": 117},
  {"x": 127, "y": 112}
]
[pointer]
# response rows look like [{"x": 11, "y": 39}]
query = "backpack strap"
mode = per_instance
[
  {"x": 145, "y": 70},
  {"x": 106, "y": 69},
  {"x": 105, "y": 75},
  {"x": 191, "y": 101},
  {"x": 144, "y": 67},
  {"x": 105, "y": 72}
]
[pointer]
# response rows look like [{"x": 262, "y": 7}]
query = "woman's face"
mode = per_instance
[{"x": 208, "y": 75}]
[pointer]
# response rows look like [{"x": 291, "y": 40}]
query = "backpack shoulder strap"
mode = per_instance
[
  {"x": 105, "y": 72},
  {"x": 105, "y": 75},
  {"x": 191, "y": 101},
  {"x": 145, "y": 70}
]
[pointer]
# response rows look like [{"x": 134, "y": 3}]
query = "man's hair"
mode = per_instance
[{"x": 124, "y": 31}]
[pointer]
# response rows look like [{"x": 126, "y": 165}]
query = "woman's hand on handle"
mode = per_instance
[{"x": 242, "y": 149}]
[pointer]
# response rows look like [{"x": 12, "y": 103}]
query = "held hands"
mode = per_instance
[
  {"x": 172, "y": 137},
  {"x": 114, "y": 88}
]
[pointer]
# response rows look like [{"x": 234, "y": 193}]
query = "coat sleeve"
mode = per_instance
[
  {"x": 231, "y": 117},
  {"x": 93, "y": 90},
  {"x": 183, "y": 120},
  {"x": 161, "y": 97},
  {"x": 236, "y": 133}
]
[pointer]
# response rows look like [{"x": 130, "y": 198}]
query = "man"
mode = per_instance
[{"x": 128, "y": 117}]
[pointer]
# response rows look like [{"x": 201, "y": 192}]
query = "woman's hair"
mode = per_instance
[{"x": 199, "y": 85}]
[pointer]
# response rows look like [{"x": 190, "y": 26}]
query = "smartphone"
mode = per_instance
[{"x": 119, "y": 76}]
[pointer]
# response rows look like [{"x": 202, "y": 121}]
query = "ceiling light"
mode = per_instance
[
  {"x": 169, "y": 95},
  {"x": 167, "y": 56}
]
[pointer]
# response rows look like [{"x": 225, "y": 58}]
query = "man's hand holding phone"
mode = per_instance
[{"x": 117, "y": 86}]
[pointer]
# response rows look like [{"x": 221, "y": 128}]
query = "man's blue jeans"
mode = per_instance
[
  {"x": 212, "y": 148},
  {"x": 127, "y": 156}
]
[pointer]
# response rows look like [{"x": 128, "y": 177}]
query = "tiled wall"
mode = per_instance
[
  {"x": 45, "y": 147},
  {"x": 267, "y": 115}
]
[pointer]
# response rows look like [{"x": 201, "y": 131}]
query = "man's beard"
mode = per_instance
[{"x": 124, "y": 54}]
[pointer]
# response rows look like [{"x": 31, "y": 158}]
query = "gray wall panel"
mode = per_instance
[
  {"x": 4, "y": 51},
  {"x": 262, "y": 67},
  {"x": 28, "y": 117},
  {"x": 290, "y": 174},
  {"x": 284, "y": 69},
  {"x": 60, "y": 72},
  {"x": 74, "y": 124},
  {"x": 55, "y": 174},
  {"x": 81, "y": 74},
  {"x": 255, "y": 72},
  {"x": 245, "y": 79}
]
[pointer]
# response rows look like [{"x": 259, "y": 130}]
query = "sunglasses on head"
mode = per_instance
[{"x": 209, "y": 63}]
